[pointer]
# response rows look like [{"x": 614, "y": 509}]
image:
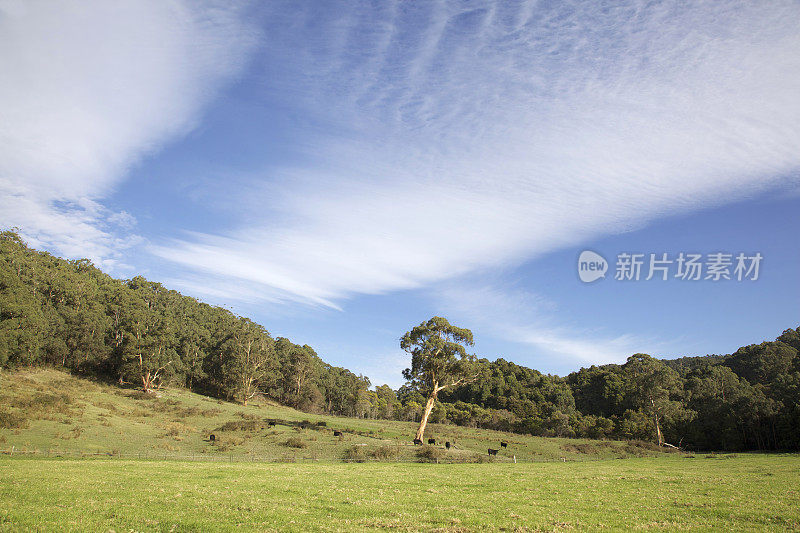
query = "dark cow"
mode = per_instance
[
  {"x": 212, "y": 438},
  {"x": 337, "y": 433},
  {"x": 431, "y": 441},
  {"x": 447, "y": 445},
  {"x": 504, "y": 445},
  {"x": 417, "y": 442},
  {"x": 271, "y": 423},
  {"x": 492, "y": 452}
]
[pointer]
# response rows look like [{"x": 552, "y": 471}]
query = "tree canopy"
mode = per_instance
[
  {"x": 439, "y": 360},
  {"x": 71, "y": 315}
]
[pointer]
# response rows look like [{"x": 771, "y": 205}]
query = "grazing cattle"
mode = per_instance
[
  {"x": 212, "y": 438},
  {"x": 447, "y": 445},
  {"x": 337, "y": 433},
  {"x": 271, "y": 423},
  {"x": 492, "y": 452},
  {"x": 417, "y": 442},
  {"x": 431, "y": 441},
  {"x": 504, "y": 445}
]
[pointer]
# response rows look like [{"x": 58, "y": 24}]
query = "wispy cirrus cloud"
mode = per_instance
[
  {"x": 88, "y": 88},
  {"x": 450, "y": 137},
  {"x": 516, "y": 315}
]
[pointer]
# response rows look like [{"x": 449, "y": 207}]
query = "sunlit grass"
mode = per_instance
[
  {"x": 744, "y": 493},
  {"x": 56, "y": 413}
]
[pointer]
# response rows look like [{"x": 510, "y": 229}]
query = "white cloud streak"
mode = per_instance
[
  {"x": 445, "y": 138},
  {"x": 87, "y": 89},
  {"x": 467, "y": 136},
  {"x": 518, "y": 316}
]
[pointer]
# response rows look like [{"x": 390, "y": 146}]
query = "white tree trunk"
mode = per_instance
[{"x": 425, "y": 414}]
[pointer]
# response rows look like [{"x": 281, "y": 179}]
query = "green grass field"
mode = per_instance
[
  {"x": 743, "y": 493},
  {"x": 251, "y": 477},
  {"x": 53, "y": 413}
]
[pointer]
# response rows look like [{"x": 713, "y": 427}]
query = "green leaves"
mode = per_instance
[
  {"x": 439, "y": 357},
  {"x": 70, "y": 314}
]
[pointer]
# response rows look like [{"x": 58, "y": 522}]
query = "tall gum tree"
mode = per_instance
[
  {"x": 439, "y": 360},
  {"x": 250, "y": 357},
  {"x": 652, "y": 387}
]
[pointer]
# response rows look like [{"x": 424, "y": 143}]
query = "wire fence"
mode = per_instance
[{"x": 152, "y": 455}]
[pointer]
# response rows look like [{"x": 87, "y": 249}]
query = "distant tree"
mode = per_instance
[
  {"x": 149, "y": 338},
  {"x": 249, "y": 357},
  {"x": 715, "y": 393},
  {"x": 651, "y": 387},
  {"x": 385, "y": 402},
  {"x": 439, "y": 360},
  {"x": 763, "y": 363},
  {"x": 23, "y": 324},
  {"x": 598, "y": 391},
  {"x": 300, "y": 367},
  {"x": 791, "y": 337}
]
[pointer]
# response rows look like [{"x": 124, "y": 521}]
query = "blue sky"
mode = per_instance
[{"x": 342, "y": 171}]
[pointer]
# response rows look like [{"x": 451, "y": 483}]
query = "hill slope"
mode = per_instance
[{"x": 54, "y": 412}]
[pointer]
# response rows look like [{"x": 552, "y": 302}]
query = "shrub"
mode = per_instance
[
  {"x": 108, "y": 406},
  {"x": 430, "y": 454},
  {"x": 385, "y": 452},
  {"x": 652, "y": 446},
  {"x": 295, "y": 442},
  {"x": 634, "y": 450},
  {"x": 42, "y": 405},
  {"x": 240, "y": 425},
  {"x": 354, "y": 454},
  {"x": 582, "y": 447},
  {"x": 175, "y": 429},
  {"x": 9, "y": 420}
]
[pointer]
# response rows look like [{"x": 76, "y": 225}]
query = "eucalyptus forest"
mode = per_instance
[{"x": 68, "y": 314}]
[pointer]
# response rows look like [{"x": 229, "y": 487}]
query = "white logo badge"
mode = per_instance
[{"x": 591, "y": 266}]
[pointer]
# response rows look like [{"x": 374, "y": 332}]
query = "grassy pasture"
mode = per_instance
[
  {"x": 301, "y": 482},
  {"x": 54, "y": 412},
  {"x": 671, "y": 493}
]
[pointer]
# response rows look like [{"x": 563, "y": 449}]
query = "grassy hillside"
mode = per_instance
[
  {"x": 57, "y": 413},
  {"x": 744, "y": 493}
]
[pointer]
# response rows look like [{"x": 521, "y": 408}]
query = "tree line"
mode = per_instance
[
  {"x": 71, "y": 315},
  {"x": 748, "y": 400}
]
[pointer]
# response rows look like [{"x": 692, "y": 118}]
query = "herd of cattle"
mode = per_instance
[
  {"x": 417, "y": 442},
  {"x": 447, "y": 444}
]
